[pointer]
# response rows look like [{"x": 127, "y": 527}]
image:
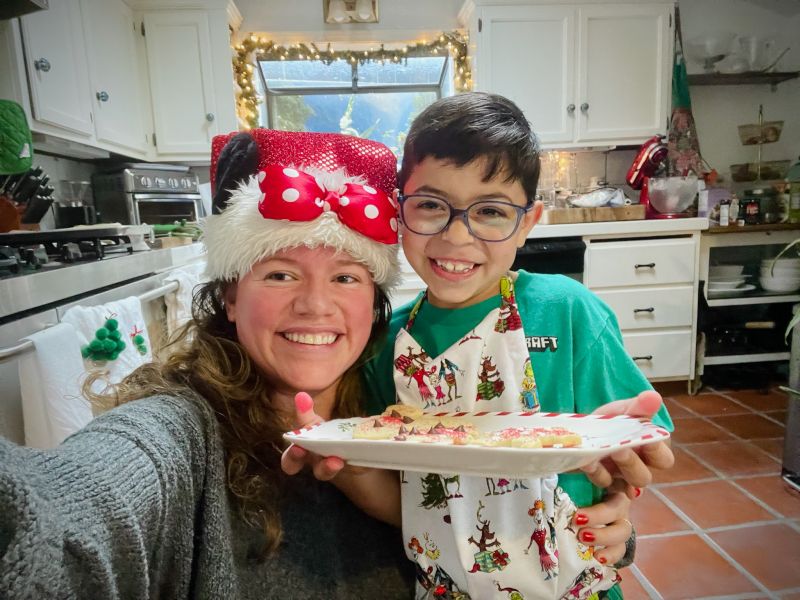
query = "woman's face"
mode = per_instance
[{"x": 304, "y": 316}]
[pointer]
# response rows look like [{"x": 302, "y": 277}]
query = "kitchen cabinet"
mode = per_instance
[
  {"x": 114, "y": 74},
  {"x": 651, "y": 285},
  {"x": 191, "y": 89},
  {"x": 55, "y": 58},
  {"x": 142, "y": 78},
  {"x": 744, "y": 246},
  {"x": 584, "y": 74}
]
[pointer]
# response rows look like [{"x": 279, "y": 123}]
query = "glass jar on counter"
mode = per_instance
[{"x": 760, "y": 206}]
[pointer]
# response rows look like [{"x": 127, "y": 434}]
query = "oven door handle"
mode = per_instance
[{"x": 165, "y": 197}]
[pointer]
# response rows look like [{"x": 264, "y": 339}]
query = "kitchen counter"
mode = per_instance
[
  {"x": 32, "y": 291},
  {"x": 620, "y": 228},
  {"x": 715, "y": 229}
]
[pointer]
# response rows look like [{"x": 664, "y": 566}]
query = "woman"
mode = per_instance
[{"x": 180, "y": 493}]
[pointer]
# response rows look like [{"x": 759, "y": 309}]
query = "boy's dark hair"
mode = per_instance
[{"x": 466, "y": 127}]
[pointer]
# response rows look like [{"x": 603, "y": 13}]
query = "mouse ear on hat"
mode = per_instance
[{"x": 237, "y": 161}]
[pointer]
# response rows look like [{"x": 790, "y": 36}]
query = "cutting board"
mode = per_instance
[{"x": 559, "y": 216}]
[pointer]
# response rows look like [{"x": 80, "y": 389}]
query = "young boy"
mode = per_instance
[{"x": 483, "y": 338}]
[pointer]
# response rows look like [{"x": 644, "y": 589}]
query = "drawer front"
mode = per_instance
[
  {"x": 651, "y": 307},
  {"x": 661, "y": 354},
  {"x": 642, "y": 262}
]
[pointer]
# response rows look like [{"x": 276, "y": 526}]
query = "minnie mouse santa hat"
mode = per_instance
[{"x": 276, "y": 190}]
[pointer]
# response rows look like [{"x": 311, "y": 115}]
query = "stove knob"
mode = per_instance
[
  {"x": 146, "y": 181},
  {"x": 173, "y": 183},
  {"x": 161, "y": 182},
  {"x": 186, "y": 182}
]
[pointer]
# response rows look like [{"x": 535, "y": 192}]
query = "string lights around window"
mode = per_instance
[{"x": 255, "y": 48}]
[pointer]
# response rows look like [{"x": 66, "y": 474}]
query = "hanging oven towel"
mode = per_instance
[
  {"x": 16, "y": 146},
  {"x": 128, "y": 314},
  {"x": 179, "y": 302},
  {"x": 53, "y": 406}
]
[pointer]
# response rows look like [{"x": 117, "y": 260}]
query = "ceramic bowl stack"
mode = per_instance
[
  {"x": 783, "y": 277},
  {"x": 726, "y": 281}
]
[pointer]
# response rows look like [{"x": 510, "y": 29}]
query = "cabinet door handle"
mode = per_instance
[
  {"x": 645, "y": 266},
  {"x": 585, "y": 107},
  {"x": 210, "y": 117},
  {"x": 645, "y": 357},
  {"x": 647, "y": 310},
  {"x": 570, "y": 108},
  {"x": 42, "y": 64},
  {"x": 102, "y": 96}
]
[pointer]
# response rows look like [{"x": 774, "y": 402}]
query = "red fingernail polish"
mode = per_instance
[
  {"x": 303, "y": 402},
  {"x": 581, "y": 519},
  {"x": 588, "y": 536},
  {"x": 603, "y": 560},
  {"x": 637, "y": 492}
]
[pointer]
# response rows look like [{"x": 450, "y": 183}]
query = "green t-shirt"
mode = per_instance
[{"x": 575, "y": 346}]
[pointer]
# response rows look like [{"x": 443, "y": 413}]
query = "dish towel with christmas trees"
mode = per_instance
[
  {"x": 53, "y": 406},
  {"x": 113, "y": 338}
]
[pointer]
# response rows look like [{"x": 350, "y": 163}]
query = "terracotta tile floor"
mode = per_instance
[{"x": 721, "y": 523}]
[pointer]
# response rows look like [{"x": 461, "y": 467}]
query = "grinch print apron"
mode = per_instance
[{"x": 477, "y": 537}]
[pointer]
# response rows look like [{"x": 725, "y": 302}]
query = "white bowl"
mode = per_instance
[
  {"x": 725, "y": 271},
  {"x": 785, "y": 286},
  {"x": 783, "y": 262},
  {"x": 780, "y": 273}
]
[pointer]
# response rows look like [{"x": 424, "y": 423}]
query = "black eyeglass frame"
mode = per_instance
[{"x": 461, "y": 213}]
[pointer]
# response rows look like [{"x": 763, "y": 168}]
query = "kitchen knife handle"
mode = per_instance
[{"x": 42, "y": 64}]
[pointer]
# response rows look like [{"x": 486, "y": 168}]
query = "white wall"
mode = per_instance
[
  {"x": 302, "y": 20},
  {"x": 719, "y": 109}
]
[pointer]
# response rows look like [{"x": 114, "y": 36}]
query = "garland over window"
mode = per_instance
[{"x": 254, "y": 48}]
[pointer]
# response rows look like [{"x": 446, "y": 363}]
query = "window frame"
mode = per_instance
[{"x": 270, "y": 95}]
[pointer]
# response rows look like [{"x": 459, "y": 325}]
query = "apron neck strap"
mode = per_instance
[{"x": 506, "y": 298}]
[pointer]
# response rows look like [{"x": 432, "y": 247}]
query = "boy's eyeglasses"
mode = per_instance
[{"x": 487, "y": 220}]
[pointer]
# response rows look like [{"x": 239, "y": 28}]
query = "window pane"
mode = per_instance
[
  {"x": 423, "y": 70},
  {"x": 383, "y": 117},
  {"x": 305, "y": 74}
]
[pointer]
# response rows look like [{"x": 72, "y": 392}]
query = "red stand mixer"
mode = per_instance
[{"x": 649, "y": 160}]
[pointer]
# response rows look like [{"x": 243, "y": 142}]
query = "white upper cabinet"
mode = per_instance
[
  {"x": 182, "y": 84},
  {"x": 56, "y": 64},
  {"x": 624, "y": 71},
  {"x": 114, "y": 73},
  {"x": 528, "y": 55},
  {"x": 584, "y": 74}
]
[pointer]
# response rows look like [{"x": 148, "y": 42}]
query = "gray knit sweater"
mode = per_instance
[{"x": 135, "y": 506}]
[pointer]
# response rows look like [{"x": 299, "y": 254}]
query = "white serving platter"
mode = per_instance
[{"x": 601, "y": 435}]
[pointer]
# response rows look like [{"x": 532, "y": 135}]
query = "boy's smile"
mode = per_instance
[{"x": 459, "y": 269}]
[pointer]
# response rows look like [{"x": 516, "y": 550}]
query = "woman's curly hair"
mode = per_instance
[{"x": 206, "y": 358}]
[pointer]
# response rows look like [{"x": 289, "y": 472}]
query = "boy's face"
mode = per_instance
[{"x": 459, "y": 269}]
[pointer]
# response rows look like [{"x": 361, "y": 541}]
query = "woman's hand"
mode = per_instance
[
  {"x": 606, "y": 525},
  {"x": 295, "y": 458},
  {"x": 632, "y": 465},
  {"x": 375, "y": 491}
]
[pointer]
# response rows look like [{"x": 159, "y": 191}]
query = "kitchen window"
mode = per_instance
[{"x": 369, "y": 100}]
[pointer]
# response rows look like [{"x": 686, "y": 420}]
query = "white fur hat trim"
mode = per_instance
[{"x": 240, "y": 236}]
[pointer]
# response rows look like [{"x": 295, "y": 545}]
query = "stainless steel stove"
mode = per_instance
[{"x": 41, "y": 266}]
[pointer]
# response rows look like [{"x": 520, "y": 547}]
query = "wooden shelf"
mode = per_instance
[
  {"x": 759, "y": 299},
  {"x": 745, "y": 228},
  {"x": 733, "y": 359},
  {"x": 748, "y": 78}
]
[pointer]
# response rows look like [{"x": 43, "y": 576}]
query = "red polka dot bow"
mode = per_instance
[{"x": 293, "y": 195}]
